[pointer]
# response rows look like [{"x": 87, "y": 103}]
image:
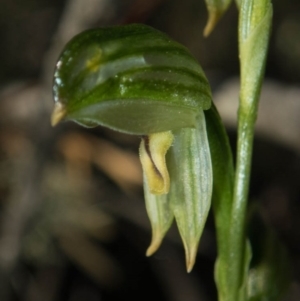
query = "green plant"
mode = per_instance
[{"x": 136, "y": 80}]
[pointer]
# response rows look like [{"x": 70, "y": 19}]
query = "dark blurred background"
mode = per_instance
[{"x": 73, "y": 225}]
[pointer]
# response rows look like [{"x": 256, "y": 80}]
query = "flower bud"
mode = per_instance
[{"x": 136, "y": 80}]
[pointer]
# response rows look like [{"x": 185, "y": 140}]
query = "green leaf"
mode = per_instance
[
  {"x": 223, "y": 174},
  {"x": 131, "y": 78},
  {"x": 223, "y": 182}
]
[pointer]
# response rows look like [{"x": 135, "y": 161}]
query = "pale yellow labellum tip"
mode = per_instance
[
  {"x": 153, "y": 151},
  {"x": 58, "y": 113}
]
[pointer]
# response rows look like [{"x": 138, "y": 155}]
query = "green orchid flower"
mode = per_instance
[{"x": 136, "y": 80}]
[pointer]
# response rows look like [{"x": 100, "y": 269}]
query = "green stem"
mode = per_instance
[
  {"x": 238, "y": 236},
  {"x": 232, "y": 265},
  {"x": 254, "y": 30}
]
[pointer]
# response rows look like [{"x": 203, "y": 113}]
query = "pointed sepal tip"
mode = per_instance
[
  {"x": 213, "y": 18},
  {"x": 154, "y": 245},
  {"x": 190, "y": 256}
]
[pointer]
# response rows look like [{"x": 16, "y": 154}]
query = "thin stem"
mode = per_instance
[
  {"x": 254, "y": 30},
  {"x": 240, "y": 195}
]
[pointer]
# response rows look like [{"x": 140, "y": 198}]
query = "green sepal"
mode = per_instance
[
  {"x": 216, "y": 9},
  {"x": 130, "y": 78},
  {"x": 190, "y": 171},
  {"x": 160, "y": 216}
]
